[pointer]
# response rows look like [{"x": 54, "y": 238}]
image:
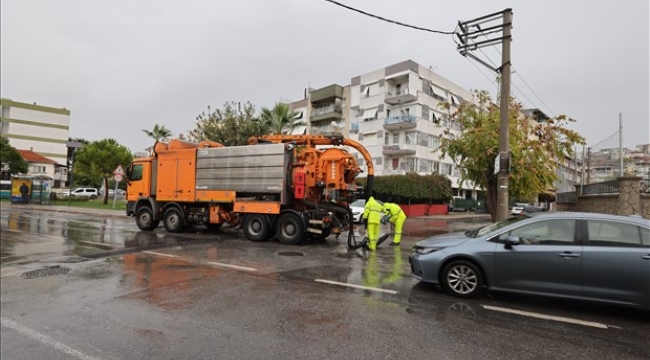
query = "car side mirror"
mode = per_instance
[{"x": 512, "y": 240}]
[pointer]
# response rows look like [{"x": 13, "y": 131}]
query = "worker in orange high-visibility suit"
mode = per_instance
[
  {"x": 396, "y": 216},
  {"x": 372, "y": 214}
]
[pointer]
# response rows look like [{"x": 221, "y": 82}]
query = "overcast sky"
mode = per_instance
[{"x": 123, "y": 66}]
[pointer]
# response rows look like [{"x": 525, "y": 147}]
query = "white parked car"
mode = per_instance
[
  {"x": 518, "y": 208},
  {"x": 357, "y": 207},
  {"x": 91, "y": 193}
]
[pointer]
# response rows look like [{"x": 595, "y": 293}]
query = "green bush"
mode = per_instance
[{"x": 411, "y": 188}]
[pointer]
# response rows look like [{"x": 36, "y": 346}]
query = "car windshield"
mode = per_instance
[
  {"x": 358, "y": 203},
  {"x": 497, "y": 225}
]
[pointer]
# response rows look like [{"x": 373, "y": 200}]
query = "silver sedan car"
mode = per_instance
[{"x": 584, "y": 256}]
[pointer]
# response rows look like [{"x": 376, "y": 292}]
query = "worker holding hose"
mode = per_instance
[
  {"x": 372, "y": 214},
  {"x": 397, "y": 217}
]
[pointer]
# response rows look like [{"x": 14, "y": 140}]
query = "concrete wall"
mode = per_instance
[{"x": 628, "y": 201}]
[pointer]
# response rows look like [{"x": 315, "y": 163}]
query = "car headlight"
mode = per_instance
[{"x": 425, "y": 250}]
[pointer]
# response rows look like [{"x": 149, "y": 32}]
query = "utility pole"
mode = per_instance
[
  {"x": 469, "y": 32},
  {"x": 504, "y": 149},
  {"x": 620, "y": 141},
  {"x": 588, "y": 165}
]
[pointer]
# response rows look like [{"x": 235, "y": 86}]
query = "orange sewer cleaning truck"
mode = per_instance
[{"x": 288, "y": 187}]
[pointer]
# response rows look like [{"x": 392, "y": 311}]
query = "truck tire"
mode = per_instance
[
  {"x": 145, "y": 220},
  {"x": 256, "y": 227},
  {"x": 290, "y": 229},
  {"x": 173, "y": 220}
]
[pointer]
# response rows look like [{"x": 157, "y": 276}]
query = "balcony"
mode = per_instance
[
  {"x": 330, "y": 112},
  {"x": 400, "y": 122},
  {"x": 400, "y": 96},
  {"x": 327, "y": 93},
  {"x": 398, "y": 150}
]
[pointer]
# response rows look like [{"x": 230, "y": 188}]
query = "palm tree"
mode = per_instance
[
  {"x": 158, "y": 133},
  {"x": 280, "y": 119}
]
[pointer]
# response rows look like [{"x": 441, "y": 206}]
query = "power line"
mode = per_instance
[
  {"x": 518, "y": 75},
  {"x": 389, "y": 20}
]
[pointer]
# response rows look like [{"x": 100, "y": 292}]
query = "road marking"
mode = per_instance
[
  {"x": 94, "y": 243},
  {"x": 232, "y": 266},
  {"x": 237, "y": 267},
  {"x": 356, "y": 286},
  {"x": 44, "y": 339},
  {"x": 33, "y": 233},
  {"x": 547, "y": 317},
  {"x": 160, "y": 254}
]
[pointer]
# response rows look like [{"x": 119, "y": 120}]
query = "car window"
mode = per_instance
[
  {"x": 545, "y": 232},
  {"x": 358, "y": 203},
  {"x": 610, "y": 233}
]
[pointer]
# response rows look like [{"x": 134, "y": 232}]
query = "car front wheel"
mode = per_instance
[{"x": 463, "y": 279}]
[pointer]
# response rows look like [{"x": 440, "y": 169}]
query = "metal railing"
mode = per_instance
[
  {"x": 401, "y": 119},
  {"x": 607, "y": 187}
]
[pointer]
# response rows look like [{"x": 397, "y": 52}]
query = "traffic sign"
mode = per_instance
[
  {"x": 117, "y": 177},
  {"x": 119, "y": 171}
]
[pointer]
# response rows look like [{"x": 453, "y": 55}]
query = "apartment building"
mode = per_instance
[
  {"x": 38, "y": 129},
  {"x": 396, "y": 113}
]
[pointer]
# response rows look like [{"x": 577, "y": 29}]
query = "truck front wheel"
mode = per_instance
[
  {"x": 173, "y": 220},
  {"x": 290, "y": 229},
  {"x": 145, "y": 220}
]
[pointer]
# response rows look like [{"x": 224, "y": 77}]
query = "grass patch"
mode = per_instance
[{"x": 91, "y": 204}]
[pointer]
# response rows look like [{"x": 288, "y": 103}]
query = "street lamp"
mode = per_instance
[{"x": 72, "y": 149}]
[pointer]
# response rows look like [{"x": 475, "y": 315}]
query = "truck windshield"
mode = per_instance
[{"x": 134, "y": 172}]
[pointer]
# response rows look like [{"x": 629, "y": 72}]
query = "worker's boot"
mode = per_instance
[{"x": 372, "y": 245}]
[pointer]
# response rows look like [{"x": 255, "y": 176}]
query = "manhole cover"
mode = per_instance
[
  {"x": 291, "y": 253},
  {"x": 46, "y": 271}
]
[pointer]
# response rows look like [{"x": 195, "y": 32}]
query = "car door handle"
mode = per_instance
[
  {"x": 647, "y": 257},
  {"x": 567, "y": 255}
]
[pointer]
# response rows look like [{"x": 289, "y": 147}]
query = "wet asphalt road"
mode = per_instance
[{"x": 92, "y": 286}]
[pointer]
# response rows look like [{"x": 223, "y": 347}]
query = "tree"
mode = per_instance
[
  {"x": 11, "y": 162},
  {"x": 534, "y": 148},
  {"x": 280, "y": 118},
  {"x": 158, "y": 133},
  {"x": 230, "y": 126},
  {"x": 97, "y": 160}
]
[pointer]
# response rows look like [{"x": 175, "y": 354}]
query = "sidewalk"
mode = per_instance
[{"x": 64, "y": 209}]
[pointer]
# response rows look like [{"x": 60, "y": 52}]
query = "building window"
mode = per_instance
[
  {"x": 446, "y": 169},
  {"x": 436, "y": 167},
  {"x": 386, "y": 139},
  {"x": 378, "y": 161},
  {"x": 396, "y": 138},
  {"x": 425, "y": 112},
  {"x": 38, "y": 169},
  {"x": 410, "y": 138},
  {"x": 423, "y": 139},
  {"x": 424, "y": 165},
  {"x": 433, "y": 141}
]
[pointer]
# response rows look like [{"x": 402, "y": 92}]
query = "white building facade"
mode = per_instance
[
  {"x": 396, "y": 113},
  {"x": 42, "y": 130},
  {"x": 38, "y": 128}
]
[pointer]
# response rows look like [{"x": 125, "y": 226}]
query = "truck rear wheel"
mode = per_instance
[
  {"x": 256, "y": 227},
  {"x": 145, "y": 220},
  {"x": 290, "y": 229},
  {"x": 173, "y": 220}
]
